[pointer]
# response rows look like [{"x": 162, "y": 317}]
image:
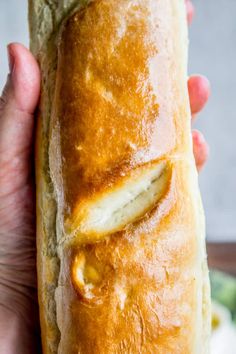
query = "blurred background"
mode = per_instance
[{"x": 213, "y": 53}]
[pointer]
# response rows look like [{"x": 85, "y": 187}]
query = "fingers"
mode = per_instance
[
  {"x": 17, "y": 106},
  {"x": 199, "y": 92},
  {"x": 190, "y": 11},
  {"x": 200, "y": 149}
]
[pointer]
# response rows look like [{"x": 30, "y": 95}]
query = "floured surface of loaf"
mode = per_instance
[{"x": 129, "y": 221}]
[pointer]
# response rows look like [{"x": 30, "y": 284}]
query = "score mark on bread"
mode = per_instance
[
  {"x": 84, "y": 276},
  {"x": 89, "y": 276},
  {"x": 122, "y": 204}
]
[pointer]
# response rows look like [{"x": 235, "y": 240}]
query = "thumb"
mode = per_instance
[{"x": 17, "y": 105}]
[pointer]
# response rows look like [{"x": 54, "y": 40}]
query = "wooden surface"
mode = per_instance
[{"x": 222, "y": 256}]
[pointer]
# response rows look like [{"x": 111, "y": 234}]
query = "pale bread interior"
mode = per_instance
[{"x": 125, "y": 203}]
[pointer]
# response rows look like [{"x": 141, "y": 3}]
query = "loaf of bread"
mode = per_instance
[{"x": 120, "y": 227}]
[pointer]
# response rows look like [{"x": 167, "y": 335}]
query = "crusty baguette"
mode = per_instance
[{"x": 120, "y": 227}]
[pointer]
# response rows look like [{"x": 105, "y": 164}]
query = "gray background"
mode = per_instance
[{"x": 212, "y": 52}]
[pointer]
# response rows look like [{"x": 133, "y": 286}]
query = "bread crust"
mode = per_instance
[{"x": 115, "y": 107}]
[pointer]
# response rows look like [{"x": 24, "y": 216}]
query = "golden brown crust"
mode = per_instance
[
  {"x": 144, "y": 299},
  {"x": 116, "y": 117},
  {"x": 120, "y": 111}
]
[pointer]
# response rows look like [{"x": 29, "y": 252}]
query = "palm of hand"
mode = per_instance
[{"x": 17, "y": 217}]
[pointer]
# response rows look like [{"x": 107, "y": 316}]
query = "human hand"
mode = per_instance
[
  {"x": 199, "y": 91},
  {"x": 17, "y": 208}
]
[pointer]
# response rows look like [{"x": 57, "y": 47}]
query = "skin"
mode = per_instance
[{"x": 18, "y": 293}]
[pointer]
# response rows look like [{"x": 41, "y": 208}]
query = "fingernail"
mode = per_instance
[
  {"x": 11, "y": 59},
  {"x": 200, "y": 79},
  {"x": 190, "y": 11},
  {"x": 198, "y": 138}
]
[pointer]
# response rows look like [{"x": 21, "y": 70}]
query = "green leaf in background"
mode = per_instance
[{"x": 223, "y": 290}]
